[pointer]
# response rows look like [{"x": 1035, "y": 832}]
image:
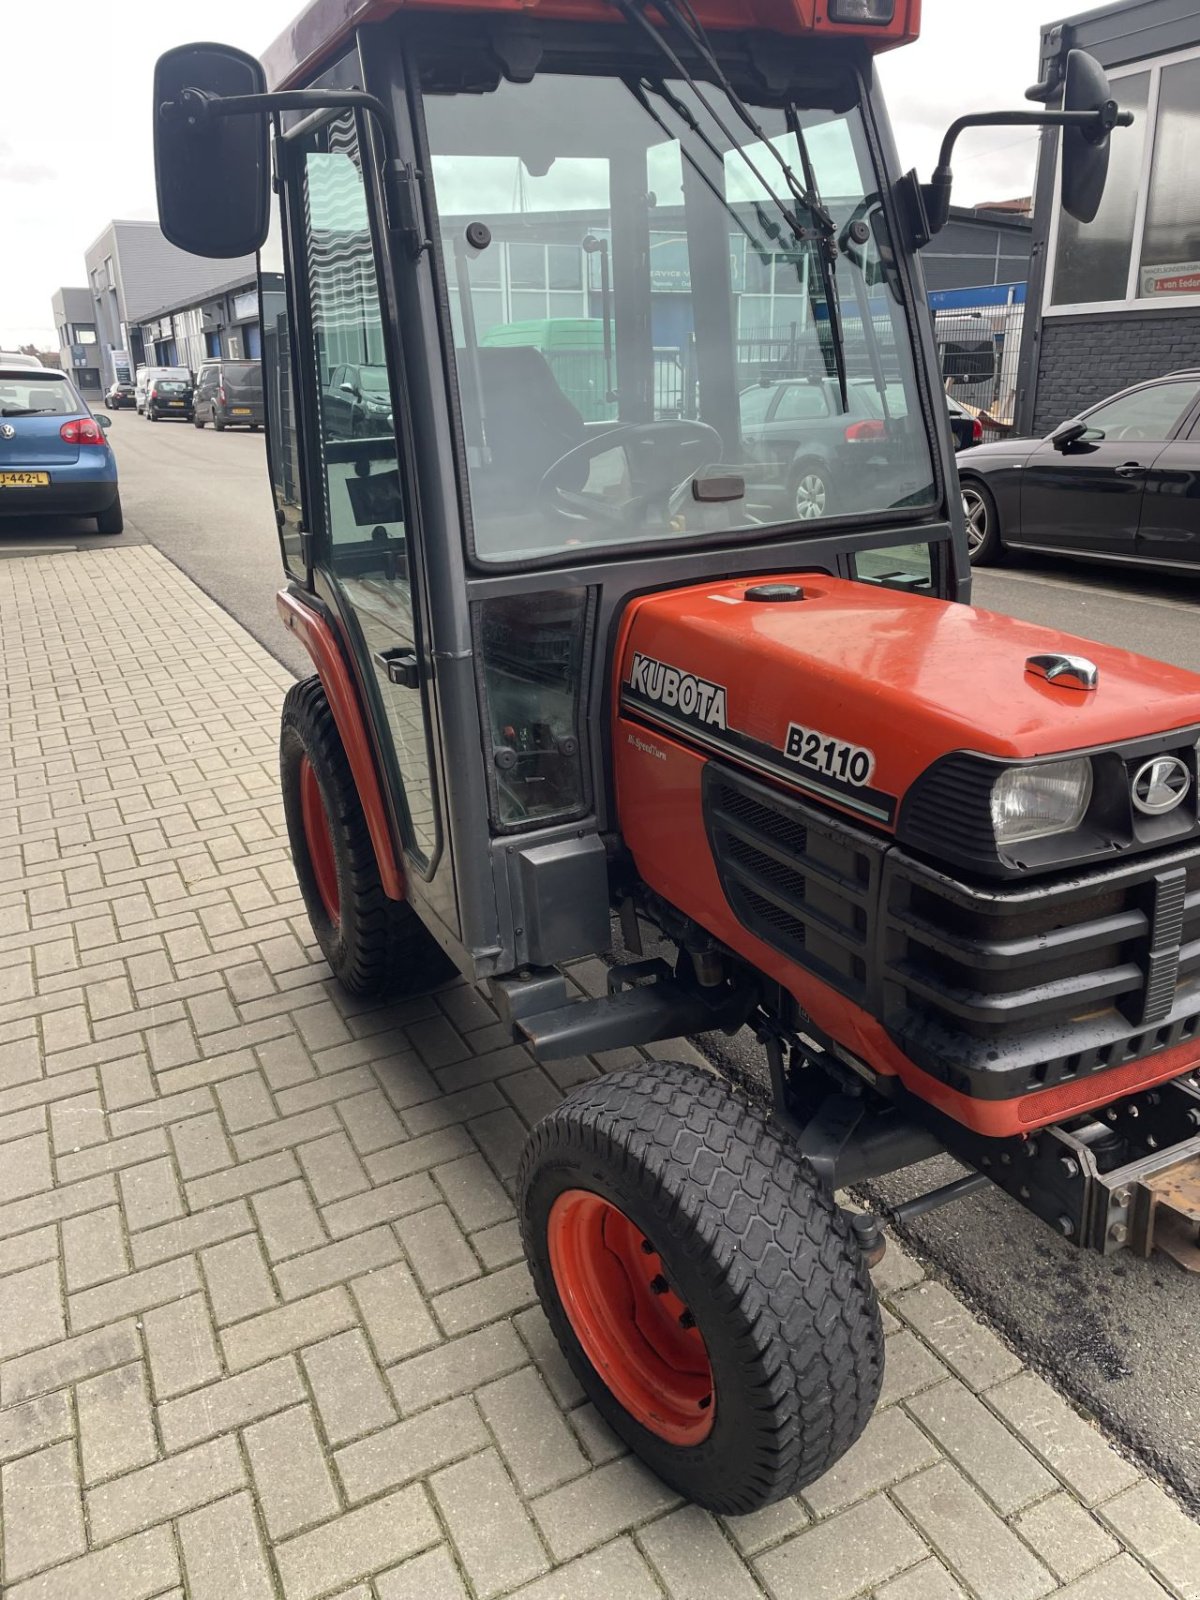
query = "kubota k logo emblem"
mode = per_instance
[{"x": 1161, "y": 785}]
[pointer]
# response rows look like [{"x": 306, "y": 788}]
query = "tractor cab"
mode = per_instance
[{"x": 619, "y": 516}]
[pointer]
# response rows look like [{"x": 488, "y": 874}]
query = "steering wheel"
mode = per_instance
[
  {"x": 1132, "y": 435},
  {"x": 658, "y": 457}
]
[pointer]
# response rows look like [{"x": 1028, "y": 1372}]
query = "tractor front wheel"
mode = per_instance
[
  {"x": 374, "y": 945},
  {"x": 709, "y": 1295}
]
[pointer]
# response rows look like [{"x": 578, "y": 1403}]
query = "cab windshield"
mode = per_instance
[{"x": 646, "y": 351}]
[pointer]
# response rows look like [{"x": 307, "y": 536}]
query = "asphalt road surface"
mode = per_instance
[{"x": 1119, "y": 1336}]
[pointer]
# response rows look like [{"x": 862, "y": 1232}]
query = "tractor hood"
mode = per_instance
[{"x": 851, "y": 692}]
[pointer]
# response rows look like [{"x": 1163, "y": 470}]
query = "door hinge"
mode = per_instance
[{"x": 403, "y": 204}]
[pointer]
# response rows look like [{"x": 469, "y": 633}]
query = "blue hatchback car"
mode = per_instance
[{"x": 54, "y": 457}]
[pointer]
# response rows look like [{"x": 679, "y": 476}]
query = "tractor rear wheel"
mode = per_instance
[
  {"x": 709, "y": 1295},
  {"x": 374, "y": 945}
]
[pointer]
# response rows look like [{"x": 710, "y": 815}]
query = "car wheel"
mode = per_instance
[
  {"x": 218, "y": 423},
  {"x": 983, "y": 523},
  {"x": 112, "y": 520},
  {"x": 708, "y": 1293},
  {"x": 809, "y": 495},
  {"x": 374, "y": 945},
  {"x": 197, "y": 421}
]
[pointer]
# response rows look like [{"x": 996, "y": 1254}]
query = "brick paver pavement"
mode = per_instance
[{"x": 264, "y": 1325}]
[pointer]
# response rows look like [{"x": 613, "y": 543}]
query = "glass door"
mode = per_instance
[{"x": 360, "y": 537}]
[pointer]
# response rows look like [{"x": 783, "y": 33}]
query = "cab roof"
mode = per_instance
[{"x": 315, "y": 36}]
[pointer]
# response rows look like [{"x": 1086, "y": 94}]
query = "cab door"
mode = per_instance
[{"x": 361, "y": 528}]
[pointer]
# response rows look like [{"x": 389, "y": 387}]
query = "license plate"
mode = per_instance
[
  {"x": 24, "y": 480},
  {"x": 239, "y": 411},
  {"x": 176, "y": 404}
]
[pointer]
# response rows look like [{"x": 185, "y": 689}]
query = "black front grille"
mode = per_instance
[
  {"x": 1038, "y": 985},
  {"x": 802, "y": 883},
  {"x": 999, "y": 989}
]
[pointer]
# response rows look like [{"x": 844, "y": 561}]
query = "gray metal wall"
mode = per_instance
[
  {"x": 1070, "y": 362},
  {"x": 148, "y": 273}
]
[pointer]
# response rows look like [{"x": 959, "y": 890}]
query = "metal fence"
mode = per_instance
[{"x": 979, "y": 353}]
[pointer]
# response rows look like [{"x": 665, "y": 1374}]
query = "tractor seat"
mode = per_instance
[{"x": 530, "y": 424}]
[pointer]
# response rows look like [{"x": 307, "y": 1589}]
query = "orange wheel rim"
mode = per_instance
[
  {"x": 634, "y": 1328},
  {"x": 319, "y": 840}
]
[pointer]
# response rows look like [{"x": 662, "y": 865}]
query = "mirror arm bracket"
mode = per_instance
[{"x": 936, "y": 194}]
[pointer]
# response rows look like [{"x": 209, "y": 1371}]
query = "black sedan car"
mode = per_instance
[
  {"x": 121, "y": 393},
  {"x": 1120, "y": 482}
]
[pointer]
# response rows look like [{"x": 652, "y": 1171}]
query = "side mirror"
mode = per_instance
[
  {"x": 210, "y": 166},
  {"x": 1087, "y": 119},
  {"x": 348, "y": 388},
  {"x": 105, "y": 422},
  {"x": 1086, "y": 148},
  {"x": 1068, "y": 433}
]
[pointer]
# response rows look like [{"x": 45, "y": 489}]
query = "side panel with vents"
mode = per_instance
[{"x": 804, "y": 884}]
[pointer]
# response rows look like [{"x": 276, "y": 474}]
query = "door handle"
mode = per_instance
[
  {"x": 1131, "y": 469},
  {"x": 401, "y": 666}
]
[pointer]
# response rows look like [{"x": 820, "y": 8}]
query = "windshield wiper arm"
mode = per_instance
[
  {"x": 639, "y": 90},
  {"x": 686, "y": 21},
  {"x": 828, "y": 254},
  {"x": 806, "y": 195},
  {"x": 633, "y": 12}
]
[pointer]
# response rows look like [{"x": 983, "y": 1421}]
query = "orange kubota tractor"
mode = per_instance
[{"x": 620, "y": 519}]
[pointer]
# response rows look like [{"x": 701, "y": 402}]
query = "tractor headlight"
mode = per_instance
[
  {"x": 1036, "y": 802},
  {"x": 877, "y": 13}
]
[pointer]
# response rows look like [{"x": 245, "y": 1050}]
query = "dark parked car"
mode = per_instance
[
  {"x": 808, "y": 458},
  {"x": 1121, "y": 482},
  {"x": 966, "y": 428},
  {"x": 122, "y": 393},
  {"x": 170, "y": 398},
  {"x": 357, "y": 402},
  {"x": 54, "y": 458},
  {"x": 229, "y": 394}
]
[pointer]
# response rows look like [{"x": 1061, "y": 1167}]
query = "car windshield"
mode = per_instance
[
  {"x": 28, "y": 394},
  {"x": 628, "y": 304},
  {"x": 373, "y": 380}
]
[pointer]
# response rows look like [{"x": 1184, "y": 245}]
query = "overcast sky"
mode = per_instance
[{"x": 75, "y": 148}]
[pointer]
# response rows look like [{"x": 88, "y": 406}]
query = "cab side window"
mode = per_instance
[{"x": 901, "y": 566}]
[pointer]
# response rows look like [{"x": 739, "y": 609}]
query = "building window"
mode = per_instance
[{"x": 1144, "y": 246}]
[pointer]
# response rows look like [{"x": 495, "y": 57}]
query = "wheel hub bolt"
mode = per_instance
[
  {"x": 658, "y": 1284},
  {"x": 687, "y": 1320},
  {"x": 647, "y": 1248}
]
